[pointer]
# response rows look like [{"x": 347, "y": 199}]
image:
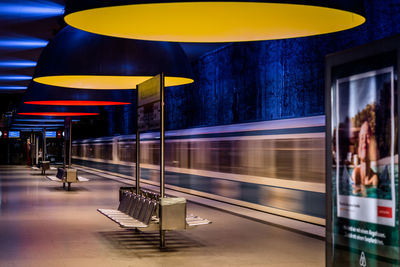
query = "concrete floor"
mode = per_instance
[{"x": 43, "y": 225}]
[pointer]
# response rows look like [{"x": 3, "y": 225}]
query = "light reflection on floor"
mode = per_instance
[{"x": 43, "y": 225}]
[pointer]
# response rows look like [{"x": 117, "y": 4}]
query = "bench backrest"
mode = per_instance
[
  {"x": 124, "y": 202},
  {"x": 135, "y": 200},
  {"x": 139, "y": 207},
  {"x": 130, "y": 204},
  {"x": 60, "y": 173},
  {"x": 149, "y": 212},
  {"x": 143, "y": 211}
]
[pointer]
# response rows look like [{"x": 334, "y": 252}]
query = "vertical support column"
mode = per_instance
[
  {"x": 37, "y": 150},
  {"x": 44, "y": 145},
  {"x": 65, "y": 144},
  {"x": 162, "y": 156},
  {"x": 137, "y": 145},
  {"x": 162, "y": 139},
  {"x": 70, "y": 144}
]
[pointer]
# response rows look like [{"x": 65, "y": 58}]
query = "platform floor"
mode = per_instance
[{"x": 43, "y": 225}]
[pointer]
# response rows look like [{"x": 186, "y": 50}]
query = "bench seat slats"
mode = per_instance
[{"x": 133, "y": 211}]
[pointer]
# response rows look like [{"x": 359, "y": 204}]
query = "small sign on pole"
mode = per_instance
[{"x": 149, "y": 108}]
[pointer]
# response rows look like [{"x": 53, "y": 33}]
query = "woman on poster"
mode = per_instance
[{"x": 363, "y": 173}]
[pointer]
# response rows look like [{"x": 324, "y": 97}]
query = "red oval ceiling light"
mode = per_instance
[
  {"x": 61, "y": 114},
  {"x": 76, "y": 103}
]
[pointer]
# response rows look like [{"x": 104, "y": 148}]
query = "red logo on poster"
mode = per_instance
[{"x": 384, "y": 212}]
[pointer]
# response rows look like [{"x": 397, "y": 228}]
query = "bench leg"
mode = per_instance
[
  {"x": 162, "y": 238},
  {"x": 69, "y": 186},
  {"x": 63, "y": 185}
]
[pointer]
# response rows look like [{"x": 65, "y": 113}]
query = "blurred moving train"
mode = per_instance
[{"x": 272, "y": 166}]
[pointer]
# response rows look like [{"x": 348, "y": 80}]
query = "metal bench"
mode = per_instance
[
  {"x": 141, "y": 211},
  {"x": 67, "y": 176},
  {"x": 45, "y": 165},
  {"x": 134, "y": 211}
]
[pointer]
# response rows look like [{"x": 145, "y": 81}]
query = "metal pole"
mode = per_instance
[
  {"x": 44, "y": 145},
  {"x": 37, "y": 149},
  {"x": 162, "y": 140},
  {"x": 137, "y": 144},
  {"x": 65, "y": 144},
  {"x": 8, "y": 150},
  {"x": 162, "y": 157},
  {"x": 70, "y": 144}
]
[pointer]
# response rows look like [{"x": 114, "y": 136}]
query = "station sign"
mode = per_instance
[
  {"x": 149, "y": 104},
  {"x": 51, "y": 134},
  {"x": 14, "y": 134}
]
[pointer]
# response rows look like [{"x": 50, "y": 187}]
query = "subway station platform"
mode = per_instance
[{"x": 41, "y": 224}]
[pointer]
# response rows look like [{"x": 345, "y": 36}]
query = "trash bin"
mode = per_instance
[{"x": 173, "y": 212}]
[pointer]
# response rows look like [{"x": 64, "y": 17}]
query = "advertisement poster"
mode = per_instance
[{"x": 365, "y": 168}]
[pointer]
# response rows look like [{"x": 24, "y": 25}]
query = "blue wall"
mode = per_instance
[
  {"x": 253, "y": 81},
  {"x": 269, "y": 80}
]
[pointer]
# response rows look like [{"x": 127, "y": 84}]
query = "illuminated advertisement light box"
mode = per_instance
[
  {"x": 51, "y": 134},
  {"x": 362, "y": 156},
  {"x": 14, "y": 134}
]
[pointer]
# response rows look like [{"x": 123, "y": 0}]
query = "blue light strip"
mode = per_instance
[
  {"x": 14, "y": 77},
  {"x": 22, "y": 43},
  {"x": 38, "y": 125},
  {"x": 17, "y": 64},
  {"x": 36, "y": 9},
  {"x": 13, "y": 87},
  {"x": 32, "y": 129}
]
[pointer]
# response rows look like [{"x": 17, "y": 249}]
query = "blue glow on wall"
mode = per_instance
[
  {"x": 17, "y": 63},
  {"x": 13, "y": 87},
  {"x": 14, "y": 77},
  {"x": 270, "y": 80},
  {"x": 257, "y": 81},
  {"x": 22, "y": 43},
  {"x": 30, "y": 9}
]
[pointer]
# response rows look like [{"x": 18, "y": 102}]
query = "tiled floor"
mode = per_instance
[{"x": 43, "y": 225}]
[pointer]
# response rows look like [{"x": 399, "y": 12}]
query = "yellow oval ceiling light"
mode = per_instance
[
  {"x": 82, "y": 60},
  {"x": 105, "y": 82},
  {"x": 213, "y": 21}
]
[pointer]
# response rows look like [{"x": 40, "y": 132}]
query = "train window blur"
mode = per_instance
[
  {"x": 248, "y": 163},
  {"x": 300, "y": 159}
]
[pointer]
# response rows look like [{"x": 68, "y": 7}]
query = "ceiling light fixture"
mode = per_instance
[
  {"x": 78, "y": 59},
  {"x": 213, "y": 21}
]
